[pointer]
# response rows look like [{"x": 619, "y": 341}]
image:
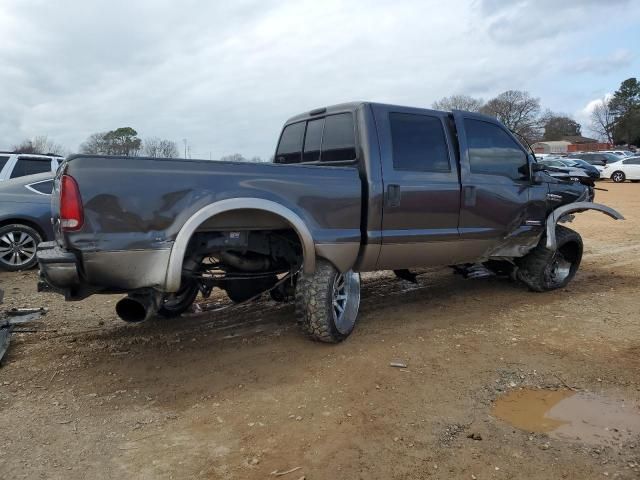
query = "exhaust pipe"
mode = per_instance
[{"x": 136, "y": 308}]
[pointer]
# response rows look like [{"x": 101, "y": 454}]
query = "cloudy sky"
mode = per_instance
[{"x": 226, "y": 75}]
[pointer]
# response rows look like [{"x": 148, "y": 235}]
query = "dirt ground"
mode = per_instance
[{"x": 241, "y": 394}]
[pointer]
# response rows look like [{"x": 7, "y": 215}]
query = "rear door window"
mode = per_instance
[
  {"x": 493, "y": 152},
  {"x": 418, "y": 143},
  {"x": 30, "y": 166}
]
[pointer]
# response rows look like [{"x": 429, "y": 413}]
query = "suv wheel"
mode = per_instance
[
  {"x": 542, "y": 269},
  {"x": 618, "y": 176},
  {"x": 327, "y": 303},
  {"x": 18, "y": 247}
]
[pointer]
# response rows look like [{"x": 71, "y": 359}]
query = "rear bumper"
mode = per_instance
[
  {"x": 78, "y": 276},
  {"x": 58, "y": 269}
]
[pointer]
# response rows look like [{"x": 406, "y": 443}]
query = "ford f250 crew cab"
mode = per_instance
[{"x": 353, "y": 188}]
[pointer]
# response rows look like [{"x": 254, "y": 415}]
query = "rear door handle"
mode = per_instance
[
  {"x": 469, "y": 195},
  {"x": 393, "y": 195}
]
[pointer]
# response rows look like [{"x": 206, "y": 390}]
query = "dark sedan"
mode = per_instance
[
  {"x": 592, "y": 171},
  {"x": 25, "y": 219}
]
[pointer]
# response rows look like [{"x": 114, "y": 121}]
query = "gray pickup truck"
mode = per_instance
[{"x": 353, "y": 188}]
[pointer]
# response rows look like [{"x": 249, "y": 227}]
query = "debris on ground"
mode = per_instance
[
  {"x": 13, "y": 317},
  {"x": 398, "y": 364},
  {"x": 280, "y": 474}
]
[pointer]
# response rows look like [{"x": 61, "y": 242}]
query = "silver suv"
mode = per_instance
[{"x": 14, "y": 165}]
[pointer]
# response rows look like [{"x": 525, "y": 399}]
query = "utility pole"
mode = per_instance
[{"x": 184, "y": 140}]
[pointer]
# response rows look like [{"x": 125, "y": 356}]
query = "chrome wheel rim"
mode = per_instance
[
  {"x": 560, "y": 269},
  {"x": 17, "y": 248},
  {"x": 345, "y": 300},
  {"x": 617, "y": 177}
]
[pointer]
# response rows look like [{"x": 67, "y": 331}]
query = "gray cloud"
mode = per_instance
[
  {"x": 530, "y": 20},
  {"x": 225, "y": 76}
]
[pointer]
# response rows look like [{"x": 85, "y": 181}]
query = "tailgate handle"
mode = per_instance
[
  {"x": 469, "y": 196},
  {"x": 393, "y": 195}
]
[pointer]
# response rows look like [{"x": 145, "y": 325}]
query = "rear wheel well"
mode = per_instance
[
  {"x": 244, "y": 263},
  {"x": 236, "y": 215}
]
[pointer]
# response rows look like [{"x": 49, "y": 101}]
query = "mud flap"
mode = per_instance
[{"x": 575, "y": 207}]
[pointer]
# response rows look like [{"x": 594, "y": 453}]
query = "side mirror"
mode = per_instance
[{"x": 537, "y": 177}]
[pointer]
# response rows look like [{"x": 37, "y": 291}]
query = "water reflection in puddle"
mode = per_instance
[{"x": 569, "y": 415}]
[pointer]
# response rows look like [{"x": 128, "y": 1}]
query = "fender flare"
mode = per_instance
[
  {"x": 179, "y": 248},
  {"x": 575, "y": 207}
]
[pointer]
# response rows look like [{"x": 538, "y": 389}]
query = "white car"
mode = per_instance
[
  {"x": 14, "y": 165},
  {"x": 620, "y": 153},
  {"x": 628, "y": 169}
]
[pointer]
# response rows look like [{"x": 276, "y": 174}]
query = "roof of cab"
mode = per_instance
[{"x": 338, "y": 108}]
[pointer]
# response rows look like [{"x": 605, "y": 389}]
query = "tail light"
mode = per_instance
[{"x": 71, "y": 211}]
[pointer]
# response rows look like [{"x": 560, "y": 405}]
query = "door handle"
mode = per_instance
[
  {"x": 469, "y": 195},
  {"x": 393, "y": 195}
]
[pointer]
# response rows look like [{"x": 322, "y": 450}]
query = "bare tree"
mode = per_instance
[
  {"x": 458, "y": 102},
  {"x": 94, "y": 144},
  {"x": 160, "y": 148},
  {"x": 603, "y": 120},
  {"x": 40, "y": 144},
  {"x": 518, "y": 111}
]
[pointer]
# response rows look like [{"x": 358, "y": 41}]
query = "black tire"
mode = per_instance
[
  {"x": 327, "y": 303},
  {"x": 618, "y": 176},
  {"x": 18, "y": 247},
  {"x": 542, "y": 270},
  {"x": 175, "y": 305}
]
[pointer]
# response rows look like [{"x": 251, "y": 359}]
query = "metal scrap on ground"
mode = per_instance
[{"x": 13, "y": 317}]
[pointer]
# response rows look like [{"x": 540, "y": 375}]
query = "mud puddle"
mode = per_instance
[{"x": 568, "y": 415}]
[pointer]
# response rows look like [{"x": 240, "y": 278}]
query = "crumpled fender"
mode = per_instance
[{"x": 575, "y": 207}]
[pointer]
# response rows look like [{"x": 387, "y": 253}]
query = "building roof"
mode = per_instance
[
  {"x": 554, "y": 143},
  {"x": 579, "y": 139}
]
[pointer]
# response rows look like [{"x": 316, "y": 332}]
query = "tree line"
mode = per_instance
[
  {"x": 519, "y": 112},
  {"x": 615, "y": 119}
]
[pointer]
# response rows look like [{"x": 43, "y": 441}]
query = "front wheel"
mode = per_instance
[
  {"x": 327, "y": 303},
  {"x": 543, "y": 270},
  {"x": 618, "y": 177}
]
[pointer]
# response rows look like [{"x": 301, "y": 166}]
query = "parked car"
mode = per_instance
[
  {"x": 353, "y": 188},
  {"x": 597, "y": 159},
  {"x": 563, "y": 166},
  {"x": 14, "y": 165},
  {"x": 620, "y": 153},
  {"x": 622, "y": 170},
  {"x": 25, "y": 219},
  {"x": 592, "y": 171}
]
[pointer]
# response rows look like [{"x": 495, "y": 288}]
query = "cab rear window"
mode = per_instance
[{"x": 319, "y": 140}]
